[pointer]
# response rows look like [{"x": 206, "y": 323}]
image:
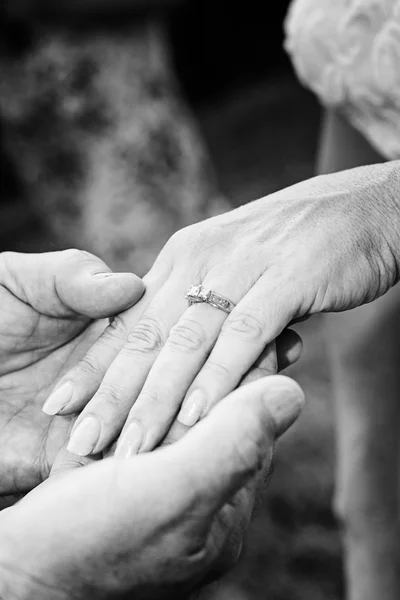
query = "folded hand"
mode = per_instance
[{"x": 50, "y": 306}]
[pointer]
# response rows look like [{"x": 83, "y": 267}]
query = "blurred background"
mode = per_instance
[{"x": 123, "y": 121}]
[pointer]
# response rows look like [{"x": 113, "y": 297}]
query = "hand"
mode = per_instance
[
  {"x": 328, "y": 244},
  {"x": 49, "y": 303},
  {"x": 155, "y": 525}
]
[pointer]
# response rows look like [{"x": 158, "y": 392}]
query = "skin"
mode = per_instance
[
  {"x": 52, "y": 309},
  {"x": 52, "y": 306},
  {"x": 161, "y": 524},
  {"x": 364, "y": 356},
  {"x": 325, "y": 245}
]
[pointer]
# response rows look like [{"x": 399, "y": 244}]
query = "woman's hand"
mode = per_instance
[
  {"x": 153, "y": 526},
  {"x": 49, "y": 306},
  {"x": 328, "y": 244}
]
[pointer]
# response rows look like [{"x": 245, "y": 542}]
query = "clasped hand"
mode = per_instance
[{"x": 157, "y": 525}]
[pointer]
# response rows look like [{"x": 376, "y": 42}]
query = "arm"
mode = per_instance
[{"x": 328, "y": 244}]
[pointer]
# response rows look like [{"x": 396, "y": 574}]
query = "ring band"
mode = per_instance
[{"x": 198, "y": 293}]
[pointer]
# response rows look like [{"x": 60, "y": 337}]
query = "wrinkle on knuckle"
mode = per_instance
[
  {"x": 146, "y": 337},
  {"x": 147, "y": 396},
  {"x": 70, "y": 462},
  {"x": 219, "y": 368},
  {"x": 187, "y": 335},
  {"x": 89, "y": 365},
  {"x": 244, "y": 324},
  {"x": 111, "y": 394},
  {"x": 116, "y": 328},
  {"x": 81, "y": 256}
]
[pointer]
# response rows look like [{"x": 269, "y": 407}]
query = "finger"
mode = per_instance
[
  {"x": 185, "y": 351},
  {"x": 75, "y": 389},
  {"x": 289, "y": 347},
  {"x": 65, "y": 461},
  {"x": 231, "y": 445},
  {"x": 288, "y": 350},
  {"x": 277, "y": 356},
  {"x": 102, "y": 419},
  {"x": 156, "y": 418},
  {"x": 78, "y": 386},
  {"x": 233, "y": 519},
  {"x": 255, "y": 322},
  {"x": 264, "y": 366},
  {"x": 63, "y": 284}
]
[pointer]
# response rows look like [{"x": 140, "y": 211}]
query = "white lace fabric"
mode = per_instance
[{"x": 348, "y": 53}]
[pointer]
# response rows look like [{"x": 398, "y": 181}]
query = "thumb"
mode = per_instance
[
  {"x": 89, "y": 287},
  {"x": 223, "y": 452},
  {"x": 61, "y": 284}
]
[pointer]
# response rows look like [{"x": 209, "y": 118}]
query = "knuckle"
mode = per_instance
[
  {"x": 187, "y": 335},
  {"x": 147, "y": 336},
  {"x": 218, "y": 368},
  {"x": 116, "y": 328},
  {"x": 72, "y": 461},
  {"x": 147, "y": 396},
  {"x": 89, "y": 365},
  {"x": 245, "y": 324},
  {"x": 75, "y": 255},
  {"x": 111, "y": 394},
  {"x": 180, "y": 236},
  {"x": 190, "y": 238}
]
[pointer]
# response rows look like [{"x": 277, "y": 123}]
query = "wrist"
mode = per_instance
[
  {"x": 376, "y": 213},
  {"x": 385, "y": 227}
]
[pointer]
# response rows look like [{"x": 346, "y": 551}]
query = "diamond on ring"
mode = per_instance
[{"x": 198, "y": 293}]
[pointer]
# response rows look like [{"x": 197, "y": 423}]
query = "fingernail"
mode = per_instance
[
  {"x": 193, "y": 408},
  {"x": 130, "y": 441},
  {"x": 85, "y": 436},
  {"x": 108, "y": 274},
  {"x": 58, "y": 399}
]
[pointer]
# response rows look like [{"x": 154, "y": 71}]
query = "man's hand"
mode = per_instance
[
  {"x": 156, "y": 525},
  {"x": 50, "y": 306}
]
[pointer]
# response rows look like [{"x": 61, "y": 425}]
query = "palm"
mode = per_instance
[{"x": 35, "y": 350}]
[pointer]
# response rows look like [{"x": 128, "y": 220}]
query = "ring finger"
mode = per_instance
[{"x": 186, "y": 350}]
